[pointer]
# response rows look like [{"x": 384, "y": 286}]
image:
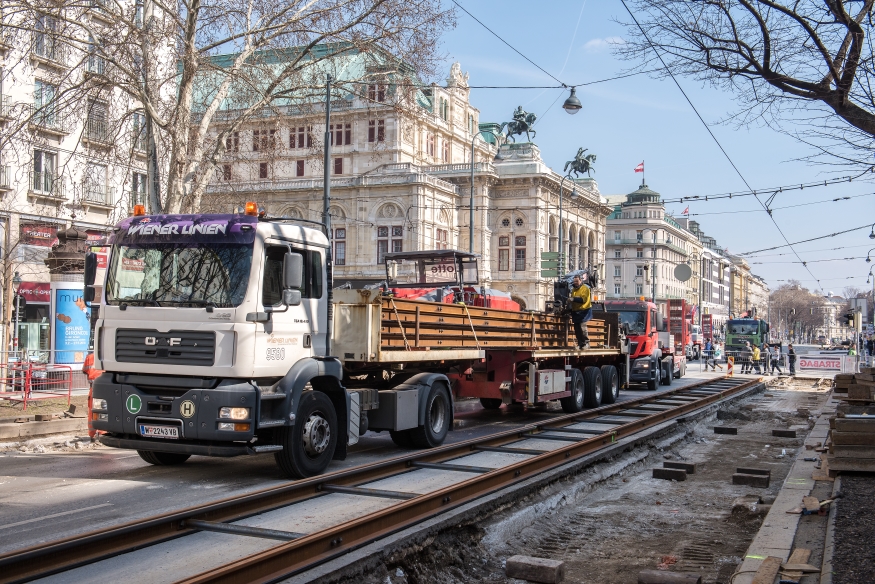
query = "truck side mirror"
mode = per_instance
[
  {"x": 88, "y": 294},
  {"x": 659, "y": 323},
  {"x": 291, "y": 297},
  {"x": 90, "y": 268},
  {"x": 293, "y": 271}
]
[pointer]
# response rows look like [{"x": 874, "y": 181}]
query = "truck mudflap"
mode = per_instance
[
  {"x": 133, "y": 443},
  {"x": 423, "y": 382}
]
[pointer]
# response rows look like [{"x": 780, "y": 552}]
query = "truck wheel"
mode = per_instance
[
  {"x": 401, "y": 438},
  {"x": 610, "y": 384},
  {"x": 592, "y": 381},
  {"x": 309, "y": 445},
  {"x": 667, "y": 372},
  {"x": 163, "y": 458},
  {"x": 574, "y": 402},
  {"x": 652, "y": 383},
  {"x": 438, "y": 417},
  {"x": 490, "y": 403},
  {"x": 682, "y": 368}
]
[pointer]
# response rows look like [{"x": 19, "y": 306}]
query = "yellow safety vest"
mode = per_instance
[{"x": 582, "y": 292}]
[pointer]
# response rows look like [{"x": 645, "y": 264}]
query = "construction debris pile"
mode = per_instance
[{"x": 852, "y": 430}]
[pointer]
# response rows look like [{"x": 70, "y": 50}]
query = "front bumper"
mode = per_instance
[
  {"x": 195, "y": 412},
  {"x": 174, "y": 446}
]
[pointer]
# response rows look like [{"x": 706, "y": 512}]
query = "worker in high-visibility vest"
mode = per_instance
[
  {"x": 93, "y": 373},
  {"x": 581, "y": 310}
]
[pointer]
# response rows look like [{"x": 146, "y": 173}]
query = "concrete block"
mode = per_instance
[
  {"x": 850, "y": 464},
  {"x": 670, "y": 474},
  {"x": 725, "y": 430},
  {"x": 33, "y": 429},
  {"x": 784, "y": 433},
  {"x": 751, "y": 480},
  {"x": 854, "y": 451},
  {"x": 754, "y": 471},
  {"x": 535, "y": 569},
  {"x": 685, "y": 466}
]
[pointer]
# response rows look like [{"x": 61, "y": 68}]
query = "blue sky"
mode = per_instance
[{"x": 639, "y": 118}]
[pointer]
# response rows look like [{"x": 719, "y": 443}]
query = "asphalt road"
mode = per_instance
[{"x": 44, "y": 497}]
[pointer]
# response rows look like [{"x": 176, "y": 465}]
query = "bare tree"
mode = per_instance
[
  {"x": 181, "y": 64},
  {"x": 804, "y": 67},
  {"x": 798, "y": 309}
]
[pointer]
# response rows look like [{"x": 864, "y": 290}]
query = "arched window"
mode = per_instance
[{"x": 554, "y": 237}]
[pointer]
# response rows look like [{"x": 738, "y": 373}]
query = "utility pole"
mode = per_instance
[
  {"x": 326, "y": 216},
  {"x": 153, "y": 188}
]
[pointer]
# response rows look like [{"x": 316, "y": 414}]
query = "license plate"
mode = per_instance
[{"x": 168, "y": 432}]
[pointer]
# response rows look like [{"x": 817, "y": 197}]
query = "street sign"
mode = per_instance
[
  {"x": 550, "y": 263},
  {"x": 551, "y": 273},
  {"x": 549, "y": 255}
]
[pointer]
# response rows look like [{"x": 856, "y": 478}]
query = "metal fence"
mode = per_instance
[
  {"x": 807, "y": 363},
  {"x": 23, "y": 381}
]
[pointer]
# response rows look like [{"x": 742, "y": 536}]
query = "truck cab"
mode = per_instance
[
  {"x": 651, "y": 354},
  {"x": 214, "y": 337}
]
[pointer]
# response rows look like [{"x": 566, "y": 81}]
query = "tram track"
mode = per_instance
[{"x": 574, "y": 436}]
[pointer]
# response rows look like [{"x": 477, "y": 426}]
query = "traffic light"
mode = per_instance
[
  {"x": 19, "y": 302},
  {"x": 850, "y": 317}
]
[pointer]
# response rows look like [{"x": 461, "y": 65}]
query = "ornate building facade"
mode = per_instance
[{"x": 401, "y": 181}]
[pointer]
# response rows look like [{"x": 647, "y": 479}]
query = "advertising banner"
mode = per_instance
[
  {"x": 707, "y": 327},
  {"x": 72, "y": 320},
  {"x": 36, "y": 292},
  {"x": 39, "y": 234},
  {"x": 821, "y": 362}
]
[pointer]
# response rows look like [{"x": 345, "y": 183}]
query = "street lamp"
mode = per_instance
[
  {"x": 16, "y": 281},
  {"x": 572, "y": 105},
  {"x": 700, "y": 288},
  {"x": 471, "y": 203},
  {"x": 561, "y": 232},
  {"x": 872, "y": 233},
  {"x": 868, "y": 258}
]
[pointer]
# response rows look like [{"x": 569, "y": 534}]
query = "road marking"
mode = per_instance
[{"x": 53, "y": 515}]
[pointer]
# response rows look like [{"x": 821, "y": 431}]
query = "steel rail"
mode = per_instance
[
  {"x": 287, "y": 559},
  {"x": 68, "y": 553}
]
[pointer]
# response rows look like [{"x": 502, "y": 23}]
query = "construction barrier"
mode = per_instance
[
  {"x": 730, "y": 362},
  {"x": 24, "y": 381}
]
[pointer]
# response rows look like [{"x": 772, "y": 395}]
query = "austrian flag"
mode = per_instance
[{"x": 640, "y": 167}]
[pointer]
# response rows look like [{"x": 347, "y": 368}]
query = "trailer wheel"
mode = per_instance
[
  {"x": 682, "y": 368},
  {"x": 574, "y": 402},
  {"x": 592, "y": 381},
  {"x": 309, "y": 445},
  {"x": 163, "y": 458},
  {"x": 490, "y": 403},
  {"x": 610, "y": 384},
  {"x": 438, "y": 417},
  {"x": 667, "y": 372},
  {"x": 401, "y": 438}
]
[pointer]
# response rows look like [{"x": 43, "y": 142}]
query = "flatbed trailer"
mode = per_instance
[{"x": 498, "y": 356}]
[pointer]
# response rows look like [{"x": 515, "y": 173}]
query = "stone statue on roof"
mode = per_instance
[{"x": 457, "y": 78}]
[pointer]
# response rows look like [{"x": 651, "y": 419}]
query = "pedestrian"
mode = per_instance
[
  {"x": 716, "y": 355},
  {"x": 745, "y": 356},
  {"x": 774, "y": 358},
  {"x": 791, "y": 358},
  {"x": 92, "y": 373},
  {"x": 709, "y": 348},
  {"x": 852, "y": 352},
  {"x": 755, "y": 360},
  {"x": 581, "y": 310},
  {"x": 870, "y": 346}
]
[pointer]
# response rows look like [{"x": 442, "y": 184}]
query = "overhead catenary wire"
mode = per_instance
[
  {"x": 835, "y": 200},
  {"x": 747, "y": 253},
  {"x": 713, "y": 137}
]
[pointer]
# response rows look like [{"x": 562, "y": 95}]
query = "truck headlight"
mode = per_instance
[
  {"x": 642, "y": 364},
  {"x": 98, "y": 404},
  {"x": 234, "y": 413}
]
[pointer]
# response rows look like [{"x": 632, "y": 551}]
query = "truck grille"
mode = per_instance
[{"x": 174, "y": 347}]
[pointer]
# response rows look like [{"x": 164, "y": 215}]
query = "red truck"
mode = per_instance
[{"x": 658, "y": 346}]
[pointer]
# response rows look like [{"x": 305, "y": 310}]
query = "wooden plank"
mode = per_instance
[
  {"x": 799, "y": 556},
  {"x": 767, "y": 571}
]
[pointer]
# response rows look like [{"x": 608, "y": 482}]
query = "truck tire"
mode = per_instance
[
  {"x": 610, "y": 384},
  {"x": 490, "y": 403},
  {"x": 667, "y": 372},
  {"x": 438, "y": 417},
  {"x": 652, "y": 383},
  {"x": 592, "y": 381},
  {"x": 682, "y": 368},
  {"x": 309, "y": 445},
  {"x": 401, "y": 438},
  {"x": 574, "y": 403},
  {"x": 163, "y": 458}
]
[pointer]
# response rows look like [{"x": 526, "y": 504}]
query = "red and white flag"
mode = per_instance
[
  {"x": 640, "y": 167},
  {"x": 686, "y": 211}
]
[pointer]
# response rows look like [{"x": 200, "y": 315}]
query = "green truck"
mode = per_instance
[{"x": 740, "y": 330}]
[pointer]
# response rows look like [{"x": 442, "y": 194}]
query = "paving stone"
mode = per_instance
[
  {"x": 761, "y": 481},
  {"x": 670, "y": 474},
  {"x": 685, "y": 466},
  {"x": 535, "y": 569},
  {"x": 725, "y": 430}
]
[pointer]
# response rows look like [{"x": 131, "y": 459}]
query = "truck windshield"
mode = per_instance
[
  {"x": 179, "y": 274},
  {"x": 636, "y": 320},
  {"x": 742, "y": 327}
]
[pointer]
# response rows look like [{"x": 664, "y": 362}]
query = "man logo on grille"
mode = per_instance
[{"x": 186, "y": 409}]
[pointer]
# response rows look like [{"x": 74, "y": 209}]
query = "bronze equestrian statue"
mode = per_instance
[
  {"x": 581, "y": 163},
  {"x": 522, "y": 123}
]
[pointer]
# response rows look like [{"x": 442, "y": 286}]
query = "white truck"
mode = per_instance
[{"x": 213, "y": 333}]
